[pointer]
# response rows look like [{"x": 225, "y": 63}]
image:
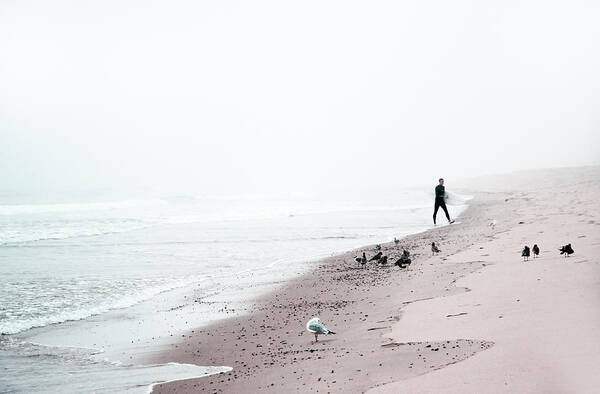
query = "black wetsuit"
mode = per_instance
[{"x": 440, "y": 192}]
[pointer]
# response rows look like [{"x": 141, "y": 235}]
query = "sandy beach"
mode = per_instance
[{"x": 474, "y": 318}]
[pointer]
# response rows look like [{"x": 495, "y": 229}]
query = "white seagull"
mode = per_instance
[
  {"x": 315, "y": 326},
  {"x": 493, "y": 223}
]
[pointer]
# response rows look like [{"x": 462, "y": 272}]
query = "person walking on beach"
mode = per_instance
[{"x": 440, "y": 201}]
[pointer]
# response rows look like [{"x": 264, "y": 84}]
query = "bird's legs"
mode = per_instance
[{"x": 316, "y": 337}]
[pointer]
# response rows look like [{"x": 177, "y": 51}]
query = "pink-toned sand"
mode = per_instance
[{"x": 474, "y": 318}]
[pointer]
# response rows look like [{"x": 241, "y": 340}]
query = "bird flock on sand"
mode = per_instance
[
  {"x": 566, "y": 250},
  {"x": 316, "y": 327},
  {"x": 403, "y": 262}
]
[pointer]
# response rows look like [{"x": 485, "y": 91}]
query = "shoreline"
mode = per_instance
[
  {"x": 208, "y": 345},
  {"x": 270, "y": 351},
  {"x": 127, "y": 336}
]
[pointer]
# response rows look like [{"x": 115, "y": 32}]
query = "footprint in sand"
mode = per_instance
[
  {"x": 457, "y": 314},
  {"x": 580, "y": 261}
]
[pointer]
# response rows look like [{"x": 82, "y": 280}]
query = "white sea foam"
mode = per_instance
[
  {"x": 77, "y": 370},
  {"x": 185, "y": 371},
  {"x": 49, "y": 231},
  {"x": 18, "y": 317},
  {"x": 25, "y": 209}
]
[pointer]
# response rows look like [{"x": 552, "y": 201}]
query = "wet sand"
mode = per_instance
[{"x": 401, "y": 329}]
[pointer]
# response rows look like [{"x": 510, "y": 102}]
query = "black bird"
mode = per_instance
[
  {"x": 361, "y": 260},
  {"x": 378, "y": 247},
  {"x": 535, "y": 250},
  {"x": 434, "y": 248},
  {"x": 376, "y": 257},
  {"x": 404, "y": 260},
  {"x": 396, "y": 241},
  {"x": 383, "y": 260},
  {"x": 525, "y": 253},
  {"x": 567, "y": 250}
]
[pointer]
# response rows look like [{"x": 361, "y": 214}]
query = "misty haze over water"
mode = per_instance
[{"x": 229, "y": 98}]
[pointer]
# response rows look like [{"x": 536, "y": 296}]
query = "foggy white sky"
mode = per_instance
[{"x": 292, "y": 96}]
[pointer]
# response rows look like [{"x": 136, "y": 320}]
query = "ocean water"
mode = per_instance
[{"x": 72, "y": 274}]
